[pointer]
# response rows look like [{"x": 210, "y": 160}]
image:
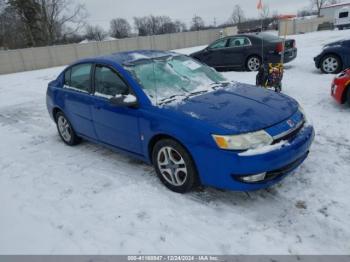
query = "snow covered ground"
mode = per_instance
[{"x": 88, "y": 199}]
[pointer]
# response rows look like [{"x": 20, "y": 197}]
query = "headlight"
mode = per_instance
[{"x": 244, "y": 142}]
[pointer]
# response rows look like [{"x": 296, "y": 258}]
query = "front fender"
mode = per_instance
[{"x": 185, "y": 130}]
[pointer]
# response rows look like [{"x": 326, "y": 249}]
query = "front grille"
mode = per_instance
[
  {"x": 289, "y": 136},
  {"x": 287, "y": 169}
]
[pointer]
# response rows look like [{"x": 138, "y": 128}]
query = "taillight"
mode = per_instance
[{"x": 279, "y": 48}]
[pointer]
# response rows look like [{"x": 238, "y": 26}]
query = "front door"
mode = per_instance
[
  {"x": 115, "y": 126},
  {"x": 213, "y": 55}
]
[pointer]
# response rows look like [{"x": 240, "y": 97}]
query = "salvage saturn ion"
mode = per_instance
[{"x": 183, "y": 117}]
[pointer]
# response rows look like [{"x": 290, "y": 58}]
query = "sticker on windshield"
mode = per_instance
[{"x": 192, "y": 65}]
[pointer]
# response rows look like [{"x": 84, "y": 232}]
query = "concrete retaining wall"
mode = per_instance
[
  {"x": 301, "y": 26},
  {"x": 51, "y": 56}
]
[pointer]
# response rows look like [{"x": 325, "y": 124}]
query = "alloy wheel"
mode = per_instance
[
  {"x": 253, "y": 64},
  {"x": 64, "y": 128},
  {"x": 172, "y": 166},
  {"x": 330, "y": 65}
]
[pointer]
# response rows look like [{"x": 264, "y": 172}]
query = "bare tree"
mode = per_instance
[
  {"x": 12, "y": 30},
  {"x": 46, "y": 21},
  {"x": 95, "y": 33},
  {"x": 120, "y": 28},
  {"x": 237, "y": 16},
  {"x": 180, "y": 26},
  {"x": 62, "y": 18},
  {"x": 319, "y": 4},
  {"x": 156, "y": 25},
  {"x": 197, "y": 23}
]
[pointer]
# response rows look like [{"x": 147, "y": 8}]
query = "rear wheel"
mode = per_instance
[
  {"x": 174, "y": 166},
  {"x": 331, "y": 64},
  {"x": 66, "y": 130},
  {"x": 253, "y": 63},
  {"x": 348, "y": 95}
]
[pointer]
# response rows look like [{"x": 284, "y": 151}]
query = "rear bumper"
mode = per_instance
[
  {"x": 289, "y": 56},
  {"x": 222, "y": 169}
]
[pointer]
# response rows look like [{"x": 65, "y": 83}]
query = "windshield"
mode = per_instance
[{"x": 173, "y": 76}]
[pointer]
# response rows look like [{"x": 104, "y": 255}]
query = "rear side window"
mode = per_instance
[
  {"x": 108, "y": 83},
  {"x": 219, "y": 44},
  {"x": 239, "y": 42},
  {"x": 79, "y": 77},
  {"x": 344, "y": 15}
]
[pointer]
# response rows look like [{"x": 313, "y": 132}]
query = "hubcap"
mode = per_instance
[
  {"x": 330, "y": 65},
  {"x": 172, "y": 166},
  {"x": 64, "y": 128},
  {"x": 254, "y": 64}
]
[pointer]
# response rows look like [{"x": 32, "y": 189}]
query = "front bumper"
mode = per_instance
[
  {"x": 317, "y": 61},
  {"x": 222, "y": 169},
  {"x": 339, "y": 88}
]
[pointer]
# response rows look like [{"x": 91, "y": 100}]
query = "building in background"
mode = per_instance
[{"x": 331, "y": 11}]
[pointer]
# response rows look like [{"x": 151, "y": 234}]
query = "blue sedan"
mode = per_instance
[{"x": 183, "y": 117}]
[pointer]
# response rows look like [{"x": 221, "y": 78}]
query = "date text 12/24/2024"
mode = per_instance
[{"x": 172, "y": 258}]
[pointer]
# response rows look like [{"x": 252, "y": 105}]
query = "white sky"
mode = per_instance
[{"x": 102, "y": 11}]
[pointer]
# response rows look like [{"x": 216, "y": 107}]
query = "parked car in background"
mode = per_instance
[
  {"x": 341, "y": 87},
  {"x": 342, "y": 20},
  {"x": 183, "y": 117},
  {"x": 334, "y": 57},
  {"x": 246, "y": 51}
]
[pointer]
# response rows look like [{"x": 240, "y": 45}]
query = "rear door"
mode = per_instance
[
  {"x": 236, "y": 52},
  {"x": 78, "y": 99},
  {"x": 115, "y": 126}
]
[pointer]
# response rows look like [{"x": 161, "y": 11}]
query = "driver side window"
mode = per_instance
[
  {"x": 219, "y": 44},
  {"x": 109, "y": 84}
]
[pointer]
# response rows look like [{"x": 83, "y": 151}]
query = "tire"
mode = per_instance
[
  {"x": 174, "y": 166},
  {"x": 253, "y": 63},
  {"x": 66, "y": 131},
  {"x": 348, "y": 95},
  {"x": 331, "y": 64}
]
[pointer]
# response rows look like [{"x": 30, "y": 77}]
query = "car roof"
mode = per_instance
[
  {"x": 129, "y": 57},
  {"x": 249, "y": 35}
]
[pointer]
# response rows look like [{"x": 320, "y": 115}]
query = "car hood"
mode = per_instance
[
  {"x": 238, "y": 108},
  {"x": 197, "y": 53},
  {"x": 333, "y": 44}
]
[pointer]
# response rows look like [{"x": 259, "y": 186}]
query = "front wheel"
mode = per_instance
[
  {"x": 253, "y": 63},
  {"x": 348, "y": 95},
  {"x": 331, "y": 64},
  {"x": 174, "y": 166},
  {"x": 66, "y": 130}
]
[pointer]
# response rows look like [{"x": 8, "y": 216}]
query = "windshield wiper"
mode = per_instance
[
  {"x": 170, "y": 99},
  {"x": 196, "y": 93}
]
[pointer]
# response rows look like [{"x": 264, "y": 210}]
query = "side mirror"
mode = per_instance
[{"x": 124, "y": 101}]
